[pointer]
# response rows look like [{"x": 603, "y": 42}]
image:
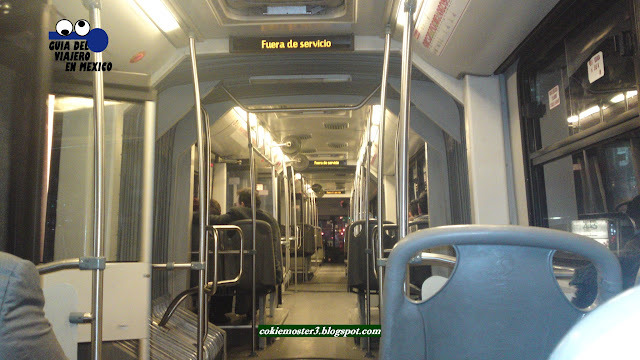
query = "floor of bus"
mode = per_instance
[{"x": 323, "y": 300}]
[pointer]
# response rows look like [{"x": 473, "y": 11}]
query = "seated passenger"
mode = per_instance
[
  {"x": 243, "y": 212},
  {"x": 423, "y": 206},
  {"x": 25, "y": 333},
  {"x": 413, "y": 209}
]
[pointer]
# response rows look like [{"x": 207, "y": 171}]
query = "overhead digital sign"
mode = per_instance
[
  {"x": 329, "y": 163},
  {"x": 290, "y": 44},
  {"x": 335, "y": 192}
]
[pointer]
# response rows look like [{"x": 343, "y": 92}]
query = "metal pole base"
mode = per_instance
[
  {"x": 253, "y": 354},
  {"x": 369, "y": 355}
]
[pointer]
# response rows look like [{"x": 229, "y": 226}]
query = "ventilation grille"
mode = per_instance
[
  {"x": 338, "y": 145},
  {"x": 336, "y": 125},
  {"x": 303, "y": 136},
  {"x": 309, "y": 150}
]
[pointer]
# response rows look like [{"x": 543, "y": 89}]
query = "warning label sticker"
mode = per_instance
[
  {"x": 554, "y": 97},
  {"x": 596, "y": 67}
]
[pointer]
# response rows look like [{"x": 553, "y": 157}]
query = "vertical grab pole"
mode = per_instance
[
  {"x": 202, "y": 181},
  {"x": 146, "y": 214},
  {"x": 252, "y": 180},
  {"x": 274, "y": 191},
  {"x": 287, "y": 217},
  {"x": 207, "y": 162},
  {"x": 97, "y": 289},
  {"x": 383, "y": 105},
  {"x": 403, "y": 130},
  {"x": 367, "y": 174},
  {"x": 295, "y": 228}
]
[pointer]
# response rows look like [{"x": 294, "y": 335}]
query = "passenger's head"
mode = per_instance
[
  {"x": 413, "y": 208},
  {"x": 244, "y": 198},
  {"x": 423, "y": 204},
  {"x": 214, "y": 207}
]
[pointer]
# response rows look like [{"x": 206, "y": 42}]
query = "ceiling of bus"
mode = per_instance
[{"x": 486, "y": 33}]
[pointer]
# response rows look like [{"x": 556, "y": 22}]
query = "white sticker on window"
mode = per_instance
[
  {"x": 596, "y": 67},
  {"x": 554, "y": 97}
]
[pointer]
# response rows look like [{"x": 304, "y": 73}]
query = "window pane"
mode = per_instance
[
  {"x": 600, "y": 64},
  {"x": 70, "y": 206}
]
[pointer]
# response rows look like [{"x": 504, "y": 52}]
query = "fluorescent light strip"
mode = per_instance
[
  {"x": 158, "y": 12},
  {"x": 299, "y": 79}
]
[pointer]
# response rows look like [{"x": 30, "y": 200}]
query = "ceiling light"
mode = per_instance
[
  {"x": 158, "y": 12},
  {"x": 240, "y": 112},
  {"x": 376, "y": 114},
  {"x": 618, "y": 98},
  {"x": 573, "y": 119},
  {"x": 631, "y": 94},
  {"x": 71, "y": 103},
  {"x": 374, "y": 133},
  {"x": 590, "y": 111}
]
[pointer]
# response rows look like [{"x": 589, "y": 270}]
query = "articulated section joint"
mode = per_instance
[
  {"x": 196, "y": 265},
  {"x": 93, "y": 263}
]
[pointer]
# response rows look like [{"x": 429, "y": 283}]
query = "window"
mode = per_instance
[{"x": 581, "y": 131}]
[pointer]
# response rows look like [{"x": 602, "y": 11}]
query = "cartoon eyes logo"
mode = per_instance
[
  {"x": 97, "y": 39},
  {"x": 64, "y": 27}
]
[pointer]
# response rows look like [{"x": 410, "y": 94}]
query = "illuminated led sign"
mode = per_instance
[
  {"x": 334, "y": 192},
  {"x": 267, "y": 44},
  {"x": 329, "y": 162}
]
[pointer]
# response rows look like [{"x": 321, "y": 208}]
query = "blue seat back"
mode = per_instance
[{"x": 502, "y": 300}]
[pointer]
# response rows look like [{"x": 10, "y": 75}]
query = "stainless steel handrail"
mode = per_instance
[
  {"x": 173, "y": 266},
  {"x": 310, "y": 108},
  {"x": 210, "y": 287},
  {"x": 58, "y": 266},
  {"x": 381, "y": 129},
  {"x": 202, "y": 181},
  {"x": 241, "y": 252}
]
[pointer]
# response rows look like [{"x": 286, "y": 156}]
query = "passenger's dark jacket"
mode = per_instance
[{"x": 241, "y": 213}]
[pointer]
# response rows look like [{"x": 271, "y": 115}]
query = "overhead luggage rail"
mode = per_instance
[{"x": 502, "y": 300}]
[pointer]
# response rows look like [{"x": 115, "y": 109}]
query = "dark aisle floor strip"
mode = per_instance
[{"x": 322, "y": 301}]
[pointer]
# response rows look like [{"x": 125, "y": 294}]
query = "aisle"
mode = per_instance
[{"x": 322, "y": 301}]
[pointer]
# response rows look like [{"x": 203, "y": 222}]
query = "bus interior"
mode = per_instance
[{"x": 185, "y": 173}]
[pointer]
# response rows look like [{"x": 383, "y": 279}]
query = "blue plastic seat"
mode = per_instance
[{"x": 502, "y": 300}]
